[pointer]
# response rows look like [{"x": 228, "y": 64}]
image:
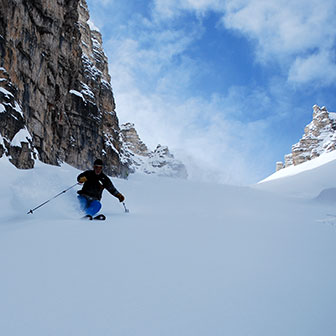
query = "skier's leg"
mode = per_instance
[
  {"x": 93, "y": 207},
  {"x": 83, "y": 202}
]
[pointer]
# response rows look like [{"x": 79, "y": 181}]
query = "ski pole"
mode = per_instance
[
  {"x": 39, "y": 206},
  {"x": 126, "y": 210}
]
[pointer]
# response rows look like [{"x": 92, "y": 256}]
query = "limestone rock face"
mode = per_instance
[
  {"x": 15, "y": 141},
  {"x": 140, "y": 159},
  {"x": 319, "y": 137},
  {"x": 131, "y": 140},
  {"x": 55, "y": 87}
]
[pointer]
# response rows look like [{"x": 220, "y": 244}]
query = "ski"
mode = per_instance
[{"x": 100, "y": 217}]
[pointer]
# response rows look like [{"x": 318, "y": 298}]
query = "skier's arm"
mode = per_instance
[{"x": 113, "y": 191}]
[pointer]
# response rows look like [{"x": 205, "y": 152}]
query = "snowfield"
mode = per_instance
[{"x": 190, "y": 258}]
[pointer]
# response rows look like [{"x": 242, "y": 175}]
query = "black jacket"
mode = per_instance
[{"x": 95, "y": 185}]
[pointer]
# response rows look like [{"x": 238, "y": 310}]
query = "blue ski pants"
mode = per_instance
[{"x": 90, "y": 207}]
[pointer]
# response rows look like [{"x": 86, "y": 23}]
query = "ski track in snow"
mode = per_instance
[{"x": 189, "y": 259}]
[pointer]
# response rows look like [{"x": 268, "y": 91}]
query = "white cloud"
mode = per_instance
[
  {"x": 167, "y": 9},
  {"x": 150, "y": 55},
  {"x": 290, "y": 32},
  {"x": 318, "y": 68},
  {"x": 106, "y": 2},
  {"x": 293, "y": 33},
  {"x": 296, "y": 33}
]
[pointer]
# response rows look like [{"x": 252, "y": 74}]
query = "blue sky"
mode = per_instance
[{"x": 227, "y": 85}]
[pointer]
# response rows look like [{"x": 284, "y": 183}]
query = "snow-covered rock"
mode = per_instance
[
  {"x": 307, "y": 179},
  {"x": 15, "y": 140},
  {"x": 319, "y": 137},
  {"x": 140, "y": 159}
]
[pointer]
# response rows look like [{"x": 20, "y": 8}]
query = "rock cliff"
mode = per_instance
[
  {"x": 319, "y": 137},
  {"x": 55, "y": 87}
]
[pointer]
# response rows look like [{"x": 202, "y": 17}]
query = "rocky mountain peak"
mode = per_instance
[
  {"x": 319, "y": 137},
  {"x": 138, "y": 157},
  {"x": 131, "y": 140}
]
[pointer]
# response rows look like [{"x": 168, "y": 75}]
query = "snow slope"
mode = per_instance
[
  {"x": 189, "y": 259},
  {"x": 308, "y": 179}
]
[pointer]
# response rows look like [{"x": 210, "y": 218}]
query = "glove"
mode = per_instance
[
  {"x": 120, "y": 197},
  {"x": 82, "y": 179}
]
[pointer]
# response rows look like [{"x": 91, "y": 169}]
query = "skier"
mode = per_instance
[{"x": 95, "y": 181}]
